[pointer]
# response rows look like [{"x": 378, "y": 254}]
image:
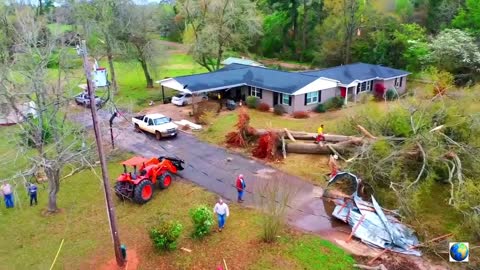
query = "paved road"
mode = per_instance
[
  {"x": 215, "y": 169},
  {"x": 208, "y": 166}
]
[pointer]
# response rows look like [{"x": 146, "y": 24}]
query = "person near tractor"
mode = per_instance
[
  {"x": 32, "y": 191},
  {"x": 320, "y": 137},
  {"x": 222, "y": 212},
  {"x": 240, "y": 185},
  {"x": 7, "y": 194}
]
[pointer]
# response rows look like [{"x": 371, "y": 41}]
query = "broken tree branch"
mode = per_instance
[
  {"x": 289, "y": 135},
  {"x": 424, "y": 158},
  {"x": 366, "y": 133}
]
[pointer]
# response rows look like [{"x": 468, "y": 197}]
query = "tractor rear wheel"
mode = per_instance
[
  {"x": 143, "y": 192},
  {"x": 164, "y": 180}
]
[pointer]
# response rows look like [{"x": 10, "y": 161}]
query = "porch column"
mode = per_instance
[{"x": 355, "y": 94}]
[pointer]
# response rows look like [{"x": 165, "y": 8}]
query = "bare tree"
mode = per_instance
[
  {"x": 219, "y": 26},
  {"x": 136, "y": 26},
  {"x": 273, "y": 196},
  {"x": 99, "y": 16},
  {"x": 25, "y": 80}
]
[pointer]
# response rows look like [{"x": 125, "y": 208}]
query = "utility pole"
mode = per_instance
[{"x": 103, "y": 163}]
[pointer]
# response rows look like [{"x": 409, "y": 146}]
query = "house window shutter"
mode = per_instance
[
  {"x": 319, "y": 96},
  {"x": 260, "y": 93},
  {"x": 305, "y": 102},
  {"x": 289, "y": 100}
]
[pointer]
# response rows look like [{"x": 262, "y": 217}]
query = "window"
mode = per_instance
[
  {"x": 364, "y": 86},
  {"x": 286, "y": 99},
  {"x": 311, "y": 98},
  {"x": 161, "y": 121},
  {"x": 145, "y": 120},
  {"x": 369, "y": 85},
  {"x": 398, "y": 82},
  {"x": 256, "y": 92},
  {"x": 150, "y": 122}
]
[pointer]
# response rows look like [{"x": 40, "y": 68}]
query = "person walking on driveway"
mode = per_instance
[
  {"x": 32, "y": 191},
  {"x": 222, "y": 212},
  {"x": 7, "y": 195},
  {"x": 240, "y": 184}
]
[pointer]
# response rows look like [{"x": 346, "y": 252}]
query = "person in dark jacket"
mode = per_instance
[
  {"x": 240, "y": 185},
  {"x": 32, "y": 191}
]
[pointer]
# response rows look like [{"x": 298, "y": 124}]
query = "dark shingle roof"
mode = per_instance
[
  {"x": 235, "y": 74},
  {"x": 283, "y": 81},
  {"x": 346, "y": 74}
]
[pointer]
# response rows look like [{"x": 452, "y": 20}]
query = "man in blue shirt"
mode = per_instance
[{"x": 32, "y": 191}]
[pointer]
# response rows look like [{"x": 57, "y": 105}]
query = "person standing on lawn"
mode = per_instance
[
  {"x": 7, "y": 194},
  {"x": 222, "y": 212},
  {"x": 240, "y": 184},
  {"x": 32, "y": 191}
]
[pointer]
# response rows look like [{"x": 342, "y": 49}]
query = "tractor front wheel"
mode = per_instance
[
  {"x": 143, "y": 192},
  {"x": 164, "y": 180}
]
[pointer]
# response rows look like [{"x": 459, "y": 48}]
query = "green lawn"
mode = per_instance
[
  {"x": 132, "y": 84},
  {"x": 58, "y": 29},
  {"x": 30, "y": 240}
]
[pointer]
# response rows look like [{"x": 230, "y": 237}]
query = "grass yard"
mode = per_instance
[
  {"x": 58, "y": 28},
  {"x": 132, "y": 84},
  {"x": 31, "y": 240}
]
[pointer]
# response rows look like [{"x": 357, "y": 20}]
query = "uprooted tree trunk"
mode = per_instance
[{"x": 325, "y": 149}]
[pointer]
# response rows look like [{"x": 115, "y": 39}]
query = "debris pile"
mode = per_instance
[
  {"x": 370, "y": 223},
  {"x": 244, "y": 134},
  {"x": 266, "y": 147}
]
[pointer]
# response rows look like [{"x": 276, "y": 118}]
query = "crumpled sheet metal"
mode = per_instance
[{"x": 376, "y": 228}]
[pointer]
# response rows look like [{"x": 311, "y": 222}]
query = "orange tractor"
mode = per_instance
[{"x": 139, "y": 186}]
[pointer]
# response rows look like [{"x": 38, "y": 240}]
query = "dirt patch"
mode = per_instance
[
  {"x": 177, "y": 113},
  {"x": 131, "y": 264}
]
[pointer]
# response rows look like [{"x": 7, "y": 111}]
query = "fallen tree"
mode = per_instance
[{"x": 325, "y": 149}]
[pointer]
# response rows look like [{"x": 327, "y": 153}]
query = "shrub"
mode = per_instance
[
  {"x": 165, "y": 235},
  {"x": 206, "y": 118},
  {"x": 320, "y": 108},
  {"x": 205, "y": 107},
  {"x": 263, "y": 107},
  {"x": 279, "y": 110},
  {"x": 202, "y": 218},
  {"x": 301, "y": 115},
  {"x": 334, "y": 103},
  {"x": 391, "y": 94},
  {"x": 365, "y": 98},
  {"x": 252, "y": 102}
]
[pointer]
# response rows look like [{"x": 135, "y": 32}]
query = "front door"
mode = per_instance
[{"x": 275, "y": 98}]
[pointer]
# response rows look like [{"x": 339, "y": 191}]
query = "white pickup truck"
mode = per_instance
[{"x": 155, "y": 123}]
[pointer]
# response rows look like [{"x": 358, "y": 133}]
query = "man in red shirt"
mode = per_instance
[{"x": 240, "y": 184}]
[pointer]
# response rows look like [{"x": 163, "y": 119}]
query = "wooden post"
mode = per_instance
[
  {"x": 103, "y": 161},
  {"x": 163, "y": 95}
]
